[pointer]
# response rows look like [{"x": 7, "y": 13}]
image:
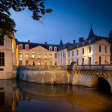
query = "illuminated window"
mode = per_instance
[
  {"x": 89, "y": 49},
  {"x": 33, "y": 55},
  {"x": 20, "y": 46},
  {"x": 50, "y": 48},
  {"x": 27, "y": 46},
  {"x": 26, "y": 62},
  {"x": 20, "y": 62},
  {"x": 55, "y": 48}
]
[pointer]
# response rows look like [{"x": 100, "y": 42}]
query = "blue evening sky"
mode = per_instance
[{"x": 70, "y": 20}]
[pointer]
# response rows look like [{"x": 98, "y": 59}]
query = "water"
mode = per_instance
[{"x": 29, "y": 97}]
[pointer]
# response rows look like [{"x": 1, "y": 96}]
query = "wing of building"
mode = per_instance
[
  {"x": 7, "y": 57},
  {"x": 94, "y": 50}
]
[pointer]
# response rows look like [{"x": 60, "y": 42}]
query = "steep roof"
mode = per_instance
[{"x": 33, "y": 45}]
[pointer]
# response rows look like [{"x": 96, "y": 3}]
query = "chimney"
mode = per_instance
[
  {"x": 28, "y": 41},
  {"x": 81, "y": 39},
  {"x": 74, "y": 43},
  {"x": 46, "y": 43}
]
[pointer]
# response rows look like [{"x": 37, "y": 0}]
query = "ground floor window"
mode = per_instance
[
  {"x": 20, "y": 62},
  {"x": 89, "y": 60},
  {"x": 2, "y": 59},
  {"x": 99, "y": 60}
]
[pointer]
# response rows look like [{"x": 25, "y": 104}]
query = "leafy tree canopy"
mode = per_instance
[{"x": 37, "y": 7}]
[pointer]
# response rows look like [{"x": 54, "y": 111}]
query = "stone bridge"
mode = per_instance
[{"x": 91, "y": 76}]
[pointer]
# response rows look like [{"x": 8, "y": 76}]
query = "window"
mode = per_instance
[
  {"x": 2, "y": 59},
  {"x": 82, "y": 61},
  {"x": 89, "y": 61},
  {"x": 72, "y": 53},
  {"x": 82, "y": 50},
  {"x": 50, "y": 48},
  {"x": 77, "y": 52},
  {"x": 99, "y": 48},
  {"x": 1, "y": 40},
  {"x": 26, "y": 46},
  {"x": 99, "y": 60},
  {"x": 105, "y": 49},
  {"x": 55, "y": 48},
  {"x": 77, "y": 62},
  {"x": 20, "y": 46},
  {"x": 89, "y": 50},
  {"x": 26, "y": 62},
  {"x": 20, "y": 62}
]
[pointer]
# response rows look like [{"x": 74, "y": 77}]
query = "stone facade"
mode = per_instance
[
  {"x": 7, "y": 57},
  {"x": 37, "y": 55},
  {"x": 92, "y": 54}
]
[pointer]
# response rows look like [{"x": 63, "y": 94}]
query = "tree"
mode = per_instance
[{"x": 37, "y": 7}]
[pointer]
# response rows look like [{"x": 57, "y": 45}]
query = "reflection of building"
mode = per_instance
[
  {"x": 7, "y": 57},
  {"x": 7, "y": 91},
  {"x": 36, "y": 54}
]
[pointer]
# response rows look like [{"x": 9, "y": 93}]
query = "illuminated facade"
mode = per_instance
[
  {"x": 91, "y": 54},
  {"x": 95, "y": 50},
  {"x": 36, "y": 54}
]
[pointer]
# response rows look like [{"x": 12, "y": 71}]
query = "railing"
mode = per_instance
[{"x": 93, "y": 67}]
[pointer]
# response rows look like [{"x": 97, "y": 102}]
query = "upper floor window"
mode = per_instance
[
  {"x": 77, "y": 52},
  {"x": 55, "y": 48},
  {"x": 105, "y": 49},
  {"x": 82, "y": 61},
  {"x": 20, "y": 46},
  {"x": 72, "y": 53},
  {"x": 99, "y": 48},
  {"x": 2, "y": 59},
  {"x": 82, "y": 50},
  {"x": 1, "y": 40},
  {"x": 89, "y": 49},
  {"x": 50, "y": 48},
  {"x": 27, "y": 46}
]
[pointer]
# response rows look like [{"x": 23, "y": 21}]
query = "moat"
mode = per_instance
[{"x": 19, "y": 96}]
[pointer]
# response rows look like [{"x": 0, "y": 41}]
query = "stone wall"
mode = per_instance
[{"x": 61, "y": 75}]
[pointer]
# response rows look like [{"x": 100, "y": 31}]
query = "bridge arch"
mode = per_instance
[{"x": 103, "y": 85}]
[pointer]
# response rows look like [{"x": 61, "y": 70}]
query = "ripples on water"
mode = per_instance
[{"x": 30, "y": 97}]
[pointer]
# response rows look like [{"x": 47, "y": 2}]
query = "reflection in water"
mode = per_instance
[{"x": 30, "y": 97}]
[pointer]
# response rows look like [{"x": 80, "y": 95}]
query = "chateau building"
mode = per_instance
[
  {"x": 92, "y": 51},
  {"x": 36, "y": 54}
]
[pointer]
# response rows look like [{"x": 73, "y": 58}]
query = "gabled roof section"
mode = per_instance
[
  {"x": 91, "y": 33},
  {"x": 33, "y": 45}
]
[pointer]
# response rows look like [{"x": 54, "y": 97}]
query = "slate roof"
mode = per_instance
[{"x": 33, "y": 45}]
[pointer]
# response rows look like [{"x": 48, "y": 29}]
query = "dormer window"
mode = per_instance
[
  {"x": 55, "y": 48},
  {"x": 27, "y": 46},
  {"x": 20, "y": 46},
  {"x": 1, "y": 40},
  {"x": 50, "y": 48}
]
